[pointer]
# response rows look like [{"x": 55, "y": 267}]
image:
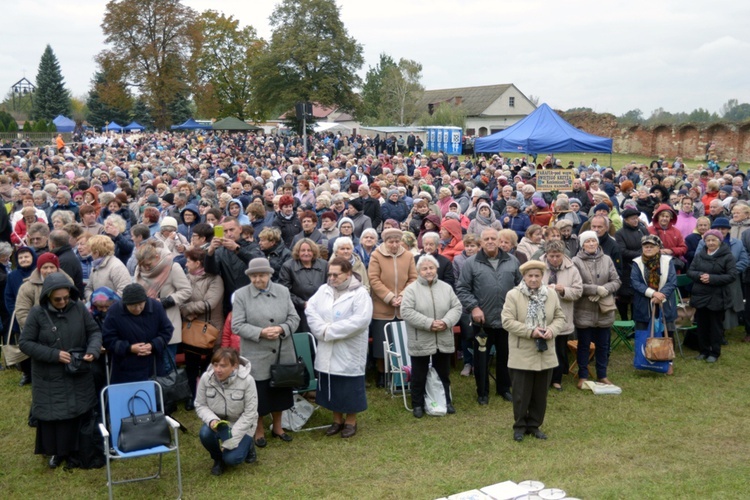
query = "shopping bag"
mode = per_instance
[
  {"x": 297, "y": 416},
  {"x": 434, "y": 395},
  {"x": 640, "y": 362}
]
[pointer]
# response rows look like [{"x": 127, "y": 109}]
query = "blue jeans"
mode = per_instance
[
  {"x": 600, "y": 337},
  {"x": 210, "y": 441},
  {"x": 168, "y": 358}
]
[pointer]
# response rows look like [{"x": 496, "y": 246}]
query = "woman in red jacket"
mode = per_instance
[
  {"x": 451, "y": 238},
  {"x": 663, "y": 226}
]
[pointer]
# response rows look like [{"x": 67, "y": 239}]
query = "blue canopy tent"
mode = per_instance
[
  {"x": 113, "y": 126},
  {"x": 191, "y": 124},
  {"x": 543, "y": 131},
  {"x": 64, "y": 124},
  {"x": 134, "y": 126}
]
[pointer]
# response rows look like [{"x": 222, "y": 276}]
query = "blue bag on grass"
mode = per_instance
[{"x": 639, "y": 361}]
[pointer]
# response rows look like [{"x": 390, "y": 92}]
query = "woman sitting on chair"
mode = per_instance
[{"x": 227, "y": 403}]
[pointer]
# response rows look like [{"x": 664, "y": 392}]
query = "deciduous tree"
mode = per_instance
[
  {"x": 51, "y": 97},
  {"x": 401, "y": 90},
  {"x": 372, "y": 90}
]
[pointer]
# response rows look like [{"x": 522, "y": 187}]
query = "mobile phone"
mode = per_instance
[{"x": 218, "y": 231}]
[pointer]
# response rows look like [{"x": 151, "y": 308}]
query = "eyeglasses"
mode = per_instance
[{"x": 58, "y": 300}]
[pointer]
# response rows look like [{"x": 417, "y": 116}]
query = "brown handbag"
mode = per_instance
[
  {"x": 658, "y": 348},
  {"x": 200, "y": 334}
]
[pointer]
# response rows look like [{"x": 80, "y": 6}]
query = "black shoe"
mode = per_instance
[
  {"x": 507, "y": 396},
  {"x": 537, "y": 434},
  {"x": 261, "y": 442},
  {"x": 252, "y": 456},
  {"x": 218, "y": 468},
  {"x": 381, "y": 380},
  {"x": 189, "y": 405},
  {"x": 483, "y": 400},
  {"x": 418, "y": 412},
  {"x": 55, "y": 461},
  {"x": 283, "y": 436},
  {"x": 518, "y": 436},
  {"x": 450, "y": 408},
  {"x": 25, "y": 380}
]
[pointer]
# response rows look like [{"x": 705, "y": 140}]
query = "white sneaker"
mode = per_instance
[{"x": 466, "y": 371}]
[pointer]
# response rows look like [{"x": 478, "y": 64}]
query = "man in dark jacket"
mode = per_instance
[
  {"x": 59, "y": 244},
  {"x": 287, "y": 221},
  {"x": 370, "y": 206},
  {"x": 628, "y": 239},
  {"x": 228, "y": 257},
  {"x": 484, "y": 281}
]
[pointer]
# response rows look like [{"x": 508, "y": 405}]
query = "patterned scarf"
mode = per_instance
[
  {"x": 652, "y": 267},
  {"x": 536, "y": 315}
]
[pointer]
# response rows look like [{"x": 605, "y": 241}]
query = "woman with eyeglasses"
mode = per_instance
[{"x": 62, "y": 339}]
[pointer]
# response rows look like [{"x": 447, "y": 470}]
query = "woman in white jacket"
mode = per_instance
[{"x": 339, "y": 315}]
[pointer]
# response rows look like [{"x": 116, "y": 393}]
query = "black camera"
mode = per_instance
[{"x": 541, "y": 345}]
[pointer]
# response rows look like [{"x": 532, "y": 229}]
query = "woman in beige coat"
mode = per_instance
[
  {"x": 106, "y": 270},
  {"x": 392, "y": 269},
  {"x": 533, "y": 317},
  {"x": 562, "y": 277}
]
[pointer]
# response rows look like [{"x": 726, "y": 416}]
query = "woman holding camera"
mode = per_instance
[{"x": 533, "y": 318}]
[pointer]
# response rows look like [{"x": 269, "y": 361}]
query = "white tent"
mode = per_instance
[{"x": 330, "y": 127}]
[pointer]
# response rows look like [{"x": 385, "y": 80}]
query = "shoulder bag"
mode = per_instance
[
  {"x": 174, "y": 385},
  {"x": 200, "y": 334},
  {"x": 290, "y": 375},
  {"x": 77, "y": 365},
  {"x": 11, "y": 352},
  {"x": 658, "y": 348},
  {"x": 147, "y": 430}
]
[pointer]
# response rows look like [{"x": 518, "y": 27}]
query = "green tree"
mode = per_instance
[
  {"x": 738, "y": 113},
  {"x": 12, "y": 126},
  {"x": 109, "y": 101},
  {"x": 28, "y": 126},
  {"x": 221, "y": 61},
  {"x": 180, "y": 108},
  {"x": 632, "y": 117},
  {"x": 311, "y": 57},
  {"x": 444, "y": 114},
  {"x": 372, "y": 89},
  {"x": 5, "y": 119},
  {"x": 142, "y": 113},
  {"x": 700, "y": 115},
  {"x": 51, "y": 97},
  {"x": 151, "y": 42},
  {"x": 401, "y": 91}
]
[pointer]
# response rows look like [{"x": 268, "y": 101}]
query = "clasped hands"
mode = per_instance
[
  {"x": 271, "y": 332},
  {"x": 66, "y": 359},
  {"x": 438, "y": 326},
  {"x": 539, "y": 333},
  {"x": 141, "y": 349},
  {"x": 601, "y": 292}
]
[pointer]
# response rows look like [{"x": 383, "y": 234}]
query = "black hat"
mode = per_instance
[
  {"x": 357, "y": 204},
  {"x": 134, "y": 294},
  {"x": 629, "y": 212},
  {"x": 169, "y": 198}
]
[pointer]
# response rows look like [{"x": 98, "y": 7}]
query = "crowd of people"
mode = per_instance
[{"x": 261, "y": 240}]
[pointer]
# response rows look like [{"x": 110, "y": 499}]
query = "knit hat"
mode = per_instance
[
  {"x": 720, "y": 222},
  {"x": 134, "y": 294},
  {"x": 514, "y": 203},
  {"x": 727, "y": 189},
  {"x": 532, "y": 264},
  {"x": 575, "y": 200},
  {"x": 391, "y": 232},
  {"x": 710, "y": 232},
  {"x": 169, "y": 198},
  {"x": 259, "y": 265},
  {"x": 629, "y": 212},
  {"x": 357, "y": 203},
  {"x": 587, "y": 235},
  {"x": 152, "y": 199},
  {"x": 47, "y": 257},
  {"x": 169, "y": 222},
  {"x": 601, "y": 206},
  {"x": 391, "y": 192},
  {"x": 651, "y": 239},
  {"x": 345, "y": 219}
]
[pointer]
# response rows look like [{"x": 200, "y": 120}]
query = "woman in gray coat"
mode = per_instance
[
  {"x": 303, "y": 275},
  {"x": 264, "y": 317},
  {"x": 430, "y": 309},
  {"x": 595, "y": 310},
  {"x": 56, "y": 331}
]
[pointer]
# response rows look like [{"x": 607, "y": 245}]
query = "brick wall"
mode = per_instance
[{"x": 687, "y": 140}]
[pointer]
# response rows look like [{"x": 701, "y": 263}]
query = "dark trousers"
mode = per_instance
[
  {"x": 561, "y": 349},
  {"x": 529, "y": 398},
  {"x": 195, "y": 366},
  {"x": 600, "y": 338},
  {"x": 467, "y": 332},
  {"x": 746, "y": 295},
  {"x": 420, "y": 365},
  {"x": 624, "y": 305},
  {"x": 499, "y": 338},
  {"x": 710, "y": 331}
]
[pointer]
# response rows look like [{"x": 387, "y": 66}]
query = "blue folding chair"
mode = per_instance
[
  {"x": 396, "y": 354},
  {"x": 114, "y": 401}
]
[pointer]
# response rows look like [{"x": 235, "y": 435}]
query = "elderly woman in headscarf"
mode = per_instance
[
  {"x": 533, "y": 317},
  {"x": 485, "y": 219}
]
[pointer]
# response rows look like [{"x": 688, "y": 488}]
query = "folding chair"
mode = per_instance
[
  {"x": 305, "y": 346},
  {"x": 683, "y": 280},
  {"x": 114, "y": 402},
  {"x": 397, "y": 358},
  {"x": 622, "y": 330}
]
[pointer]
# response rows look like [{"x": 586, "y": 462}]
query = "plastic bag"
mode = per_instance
[
  {"x": 297, "y": 416},
  {"x": 434, "y": 395}
]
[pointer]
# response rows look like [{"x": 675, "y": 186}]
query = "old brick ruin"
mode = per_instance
[{"x": 688, "y": 140}]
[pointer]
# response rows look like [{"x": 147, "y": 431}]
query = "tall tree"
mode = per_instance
[
  {"x": 372, "y": 90},
  {"x": 179, "y": 108},
  {"x": 142, "y": 113},
  {"x": 109, "y": 101},
  {"x": 311, "y": 57},
  {"x": 151, "y": 41},
  {"x": 401, "y": 90},
  {"x": 51, "y": 97},
  {"x": 221, "y": 60}
]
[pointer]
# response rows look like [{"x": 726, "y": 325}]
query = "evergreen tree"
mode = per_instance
[
  {"x": 100, "y": 111},
  {"x": 142, "y": 113},
  {"x": 51, "y": 97},
  {"x": 179, "y": 109}
]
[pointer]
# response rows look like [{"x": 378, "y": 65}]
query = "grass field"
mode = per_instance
[{"x": 686, "y": 436}]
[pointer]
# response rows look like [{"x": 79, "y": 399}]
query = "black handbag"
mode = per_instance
[
  {"x": 174, "y": 386},
  {"x": 289, "y": 375},
  {"x": 147, "y": 430},
  {"x": 77, "y": 365}
]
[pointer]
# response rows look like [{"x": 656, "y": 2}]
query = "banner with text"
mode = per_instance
[{"x": 554, "y": 180}]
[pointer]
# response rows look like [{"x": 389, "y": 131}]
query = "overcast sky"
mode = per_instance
[{"x": 612, "y": 56}]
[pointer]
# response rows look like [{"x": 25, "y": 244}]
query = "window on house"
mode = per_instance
[
  {"x": 470, "y": 131},
  {"x": 512, "y": 102}
]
